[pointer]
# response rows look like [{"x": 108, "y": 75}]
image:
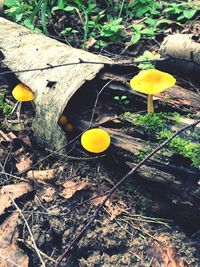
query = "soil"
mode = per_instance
[{"x": 127, "y": 240}]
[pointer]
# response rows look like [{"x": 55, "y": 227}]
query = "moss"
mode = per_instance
[
  {"x": 152, "y": 121},
  {"x": 158, "y": 125}
]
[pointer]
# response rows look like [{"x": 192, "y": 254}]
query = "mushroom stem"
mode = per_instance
[{"x": 150, "y": 108}]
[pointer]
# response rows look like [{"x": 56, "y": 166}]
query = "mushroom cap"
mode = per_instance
[
  {"x": 22, "y": 93},
  {"x": 152, "y": 81},
  {"x": 95, "y": 140},
  {"x": 69, "y": 127},
  {"x": 62, "y": 120}
]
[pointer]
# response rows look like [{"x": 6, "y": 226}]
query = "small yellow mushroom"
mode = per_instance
[
  {"x": 152, "y": 82},
  {"x": 69, "y": 127},
  {"x": 22, "y": 93},
  {"x": 62, "y": 120},
  {"x": 95, "y": 140}
]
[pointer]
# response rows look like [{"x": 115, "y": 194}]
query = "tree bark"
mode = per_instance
[
  {"x": 53, "y": 88},
  {"x": 184, "y": 54}
]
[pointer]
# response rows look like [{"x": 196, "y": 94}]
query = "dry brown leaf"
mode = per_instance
[
  {"x": 10, "y": 254},
  {"x": 44, "y": 175},
  {"x": 15, "y": 191},
  {"x": 164, "y": 254},
  {"x": 9, "y": 136},
  {"x": 47, "y": 194},
  {"x": 24, "y": 162},
  {"x": 70, "y": 188},
  {"x": 115, "y": 209},
  {"x": 96, "y": 201}
]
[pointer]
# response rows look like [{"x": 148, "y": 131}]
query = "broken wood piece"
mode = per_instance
[{"x": 183, "y": 53}]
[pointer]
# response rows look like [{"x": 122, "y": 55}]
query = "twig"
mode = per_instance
[
  {"x": 113, "y": 189},
  {"x": 49, "y": 66},
  {"x": 30, "y": 232},
  {"x": 30, "y": 245},
  {"x": 9, "y": 260},
  {"x": 13, "y": 176}
]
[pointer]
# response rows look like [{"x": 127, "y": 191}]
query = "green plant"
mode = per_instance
[
  {"x": 122, "y": 100},
  {"x": 4, "y": 107},
  {"x": 147, "y": 55},
  {"x": 105, "y": 21},
  {"x": 182, "y": 11},
  {"x": 113, "y": 30}
]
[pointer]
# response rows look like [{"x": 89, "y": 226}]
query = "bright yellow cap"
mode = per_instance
[
  {"x": 62, "y": 120},
  {"x": 22, "y": 93},
  {"x": 95, "y": 140},
  {"x": 152, "y": 81}
]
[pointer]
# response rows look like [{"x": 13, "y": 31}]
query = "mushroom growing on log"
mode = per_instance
[{"x": 176, "y": 183}]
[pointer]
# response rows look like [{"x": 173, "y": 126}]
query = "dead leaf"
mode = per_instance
[
  {"x": 24, "y": 162},
  {"x": 44, "y": 175},
  {"x": 47, "y": 194},
  {"x": 115, "y": 209},
  {"x": 10, "y": 254},
  {"x": 164, "y": 254},
  {"x": 90, "y": 42},
  {"x": 96, "y": 201},
  {"x": 8, "y": 137},
  {"x": 14, "y": 190},
  {"x": 70, "y": 188}
]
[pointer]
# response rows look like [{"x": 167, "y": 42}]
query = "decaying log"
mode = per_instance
[
  {"x": 24, "y": 49},
  {"x": 184, "y": 52},
  {"x": 169, "y": 176},
  {"x": 173, "y": 182}
]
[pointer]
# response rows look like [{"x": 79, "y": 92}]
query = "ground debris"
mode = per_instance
[
  {"x": 15, "y": 191},
  {"x": 70, "y": 188},
  {"x": 10, "y": 253}
]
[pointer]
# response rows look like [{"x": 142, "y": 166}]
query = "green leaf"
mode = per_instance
[
  {"x": 68, "y": 8},
  {"x": 11, "y": 3},
  {"x": 28, "y": 24},
  {"x": 135, "y": 38},
  {"x": 116, "y": 98},
  {"x": 188, "y": 14}
]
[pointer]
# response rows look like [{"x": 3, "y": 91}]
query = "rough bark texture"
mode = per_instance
[
  {"x": 24, "y": 49},
  {"x": 185, "y": 53}
]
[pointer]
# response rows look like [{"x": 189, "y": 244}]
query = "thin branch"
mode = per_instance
[
  {"x": 49, "y": 66},
  {"x": 113, "y": 189},
  {"x": 29, "y": 230}
]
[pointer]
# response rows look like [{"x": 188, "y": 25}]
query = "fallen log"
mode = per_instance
[
  {"x": 169, "y": 176},
  {"x": 53, "y": 87},
  {"x": 183, "y": 51}
]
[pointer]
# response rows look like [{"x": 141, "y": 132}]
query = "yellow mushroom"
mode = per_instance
[
  {"x": 95, "y": 140},
  {"x": 62, "y": 120},
  {"x": 69, "y": 127},
  {"x": 152, "y": 82},
  {"x": 21, "y": 93}
]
